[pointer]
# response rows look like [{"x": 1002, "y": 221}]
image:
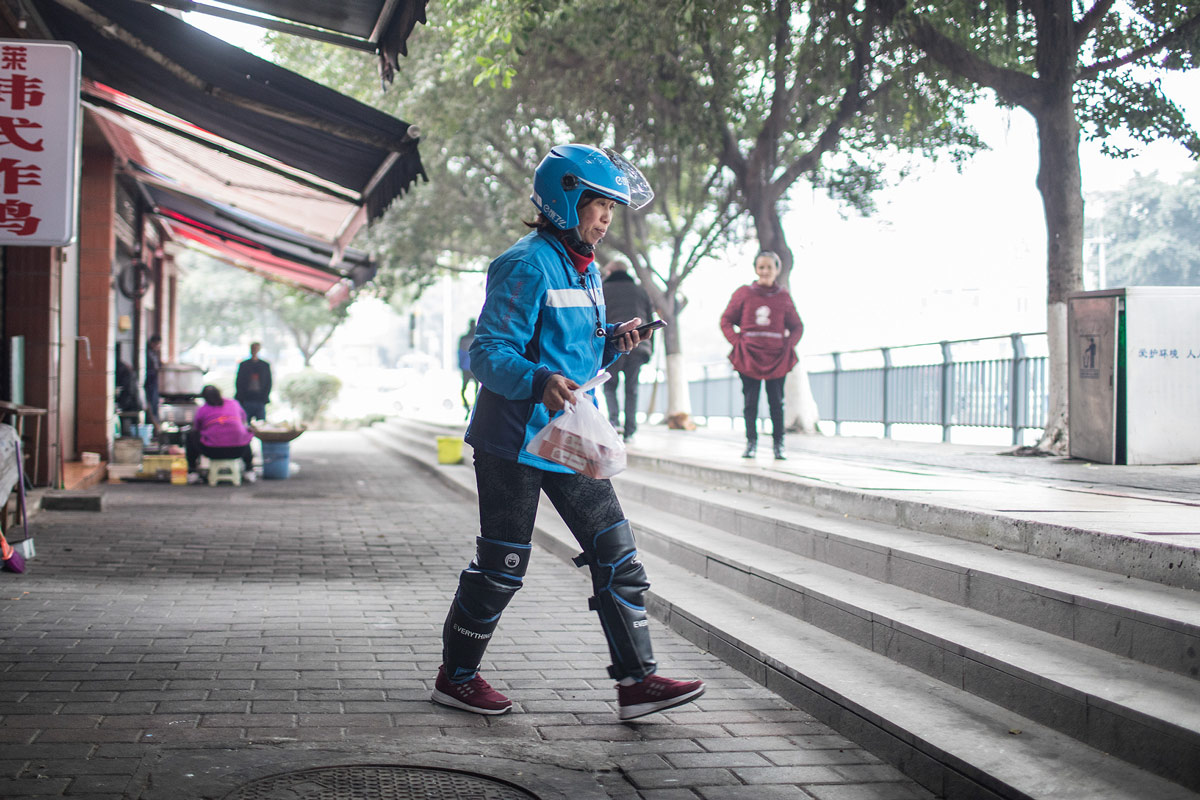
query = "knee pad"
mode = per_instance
[
  {"x": 620, "y": 584},
  {"x": 484, "y": 589}
]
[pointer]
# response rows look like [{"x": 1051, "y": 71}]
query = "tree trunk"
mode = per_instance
[
  {"x": 800, "y": 412},
  {"x": 1060, "y": 184},
  {"x": 670, "y": 341},
  {"x": 679, "y": 401}
]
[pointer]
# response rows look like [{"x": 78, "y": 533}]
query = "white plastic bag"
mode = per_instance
[{"x": 581, "y": 438}]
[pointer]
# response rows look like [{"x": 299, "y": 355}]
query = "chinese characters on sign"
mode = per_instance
[
  {"x": 39, "y": 135},
  {"x": 1167, "y": 352}
]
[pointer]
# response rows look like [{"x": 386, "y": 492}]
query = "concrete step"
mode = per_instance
[
  {"x": 954, "y": 743},
  {"x": 1110, "y": 702},
  {"x": 417, "y": 441},
  {"x": 1157, "y": 559},
  {"x": 754, "y": 604},
  {"x": 1157, "y": 625}
]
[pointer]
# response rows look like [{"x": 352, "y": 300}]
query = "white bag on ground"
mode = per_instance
[{"x": 581, "y": 438}]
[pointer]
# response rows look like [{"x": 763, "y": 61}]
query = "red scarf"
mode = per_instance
[{"x": 581, "y": 263}]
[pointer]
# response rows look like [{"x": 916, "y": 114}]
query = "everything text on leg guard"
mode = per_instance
[{"x": 484, "y": 590}]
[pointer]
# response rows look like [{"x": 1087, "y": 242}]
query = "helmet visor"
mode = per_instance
[{"x": 640, "y": 193}]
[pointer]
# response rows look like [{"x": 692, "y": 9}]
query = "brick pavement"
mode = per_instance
[{"x": 188, "y": 640}]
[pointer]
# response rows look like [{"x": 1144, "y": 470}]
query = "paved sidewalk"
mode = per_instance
[
  {"x": 188, "y": 641},
  {"x": 1155, "y": 507}
]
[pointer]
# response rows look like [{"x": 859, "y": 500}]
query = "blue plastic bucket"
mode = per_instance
[
  {"x": 276, "y": 459},
  {"x": 146, "y": 433}
]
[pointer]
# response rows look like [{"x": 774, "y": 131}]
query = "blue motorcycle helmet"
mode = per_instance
[{"x": 571, "y": 169}]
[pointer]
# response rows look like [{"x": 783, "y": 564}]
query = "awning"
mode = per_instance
[
  {"x": 157, "y": 150},
  {"x": 170, "y": 65},
  {"x": 377, "y": 26},
  {"x": 271, "y": 249},
  {"x": 236, "y": 210},
  {"x": 263, "y": 263}
]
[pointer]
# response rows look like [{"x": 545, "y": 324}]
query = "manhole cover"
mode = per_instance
[{"x": 379, "y": 782}]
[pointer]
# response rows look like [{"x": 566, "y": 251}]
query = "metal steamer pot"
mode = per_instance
[{"x": 180, "y": 379}]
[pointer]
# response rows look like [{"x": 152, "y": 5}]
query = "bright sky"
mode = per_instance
[{"x": 948, "y": 255}]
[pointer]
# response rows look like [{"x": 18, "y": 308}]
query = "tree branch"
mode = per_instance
[
  {"x": 518, "y": 165},
  {"x": 731, "y": 154},
  {"x": 1088, "y": 22},
  {"x": 782, "y": 97},
  {"x": 850, "y": 104},
  {"x": 1011, "y": 86},
  {"x": 1161, "y": 43}
]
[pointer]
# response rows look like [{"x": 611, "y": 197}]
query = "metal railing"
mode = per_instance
[{"x": 993, "y": 382}]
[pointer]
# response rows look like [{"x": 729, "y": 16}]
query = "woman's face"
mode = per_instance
[
  {"x": 767, "y": 271},
  {"x": 594, "y": 219}
]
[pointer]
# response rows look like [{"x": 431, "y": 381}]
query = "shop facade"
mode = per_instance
[{"x": 149, "y": 179}]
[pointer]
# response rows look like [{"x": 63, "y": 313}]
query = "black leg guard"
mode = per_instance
[
  {"x": 620, "y": 584},
  {"x": 484, "y": 589}
]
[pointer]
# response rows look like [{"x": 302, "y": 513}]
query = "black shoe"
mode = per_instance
[
  {"x": 779, "y": 456},
  {"x": 751, "y": 447}
]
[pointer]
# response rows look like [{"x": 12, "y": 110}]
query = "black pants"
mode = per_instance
[
  {"x": 508, "y": 503},
  {"x": 750, "y": 389},
  {"x": 625, "y": 368},
  {"x": 194, "y": 448}
]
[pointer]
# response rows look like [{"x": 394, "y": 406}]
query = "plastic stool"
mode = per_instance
[{"x": 224, "y": 469}]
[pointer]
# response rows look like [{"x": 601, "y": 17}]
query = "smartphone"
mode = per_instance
[{"x": 643, "y": 329}]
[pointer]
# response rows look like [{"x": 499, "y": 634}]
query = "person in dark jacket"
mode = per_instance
[
  {"x": 624, "y": 299},
  {"x": 127, "y": 401},
  {"x": 253, "y": 384},
  {"x": 153, "y": 368},
  {"x": 762, "y": 325}
]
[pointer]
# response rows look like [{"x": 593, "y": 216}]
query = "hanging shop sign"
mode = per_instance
[{"x": 39, "y": 142}]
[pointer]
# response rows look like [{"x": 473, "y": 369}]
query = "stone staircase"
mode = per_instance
[{"x": 979, "y": 671}]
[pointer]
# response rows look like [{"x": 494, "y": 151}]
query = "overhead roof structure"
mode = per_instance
[
  {"x": 193, "y": 116},
  {"x": 159, "y": 150},
  {"x": 165, "y": 62},
  {"x": 377, "y": 26},
  {"x": 256, "y": 244}
]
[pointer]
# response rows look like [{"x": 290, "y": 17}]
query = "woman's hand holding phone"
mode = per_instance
[{"x": 643, "y": 331}]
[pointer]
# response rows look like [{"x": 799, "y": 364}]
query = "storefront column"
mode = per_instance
[
  {"x": 95, "y": 419},
  {"x": 31, "y": 310}
]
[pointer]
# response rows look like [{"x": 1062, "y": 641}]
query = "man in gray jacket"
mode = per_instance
[{"x": 624, "y": 299}]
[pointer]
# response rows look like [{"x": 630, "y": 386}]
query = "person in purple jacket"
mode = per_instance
[
  {"x": 762, "y": 325},
  {"x": 220, "y": 430}
]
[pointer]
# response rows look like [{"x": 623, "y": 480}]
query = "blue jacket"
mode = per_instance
[{"x": 539, "y": 318}]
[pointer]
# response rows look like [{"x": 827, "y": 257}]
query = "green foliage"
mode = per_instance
[
  {"x": 480, "y": 144},
  {"x": 1151, "y": 231},
  {"x": 786, "y": 91},
  {"x": 310, "y": 392},
  {"x": 477, "y": 147},
  {"x": 725, "y": 105},
  {"x": 222, "y": 305},
  {"x": 217, "y": 302},
  {"x": 1108, "y": 55},
  {"x": 306, "y": 317}
]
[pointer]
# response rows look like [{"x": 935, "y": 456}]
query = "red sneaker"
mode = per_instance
[
  {"x": 655, "y": 694},
  {"x": 475, "y": 695}
]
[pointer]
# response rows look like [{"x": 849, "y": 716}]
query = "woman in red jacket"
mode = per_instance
[{"x": 762, "y": 325}]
